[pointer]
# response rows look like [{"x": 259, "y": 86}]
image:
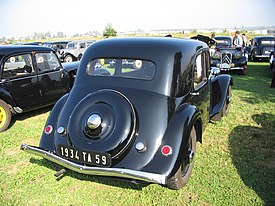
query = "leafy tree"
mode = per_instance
[{"x": 109, "y": 31}]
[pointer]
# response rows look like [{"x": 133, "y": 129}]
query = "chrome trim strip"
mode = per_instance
[
  {"x": 232, "y": 68},
  {"x": 262, "y": 56},
  {"x": 113, "y": 172}
]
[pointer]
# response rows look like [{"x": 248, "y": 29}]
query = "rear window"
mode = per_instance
[
  {"x": 267, "y": 42},
  {"x": 126, "y": 68}
]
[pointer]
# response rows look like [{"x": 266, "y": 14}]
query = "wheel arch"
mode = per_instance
[
  {"x": 70, "y": 54},
  {"x": 7, "y": 98},
  {"x": 176, "y": 136}
]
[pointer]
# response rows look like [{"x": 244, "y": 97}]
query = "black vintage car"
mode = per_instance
[
  {"x": 140, "y": 123},
  {"x": 228, "y": 58},
  {"x": 261, "y": 47},
  {"x": 30, "y": 77}
]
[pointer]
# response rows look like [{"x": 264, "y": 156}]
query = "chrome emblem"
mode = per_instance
[{"x": 94, "y": 121}]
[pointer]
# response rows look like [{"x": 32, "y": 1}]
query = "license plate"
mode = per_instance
[
  {"x": 225, "y": 66},
  {"x": 88, "y": 157}
]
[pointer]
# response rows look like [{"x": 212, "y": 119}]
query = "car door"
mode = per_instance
[
  {"x": 53, "y": 80},
  {"x": 201, "y": 91},
  {"x": 20, "y": 79}
]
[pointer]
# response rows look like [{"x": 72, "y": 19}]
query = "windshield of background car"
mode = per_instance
[
  {"x": 223, "y": 42},
  {"x": 268, "y": 42},
  {"x": 125, "y": 68}
]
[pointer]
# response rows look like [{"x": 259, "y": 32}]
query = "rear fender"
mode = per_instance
[
  {"x": 6, "y": 97},
  {"x": 176, "y": 136},
  {"x": 47, "y": 140},
  {"x": 219, "y": 87}
]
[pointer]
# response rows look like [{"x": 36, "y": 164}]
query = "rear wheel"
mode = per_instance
[
  {"x": 5, "y": 116},
  {"x": 182, "y": 175}
]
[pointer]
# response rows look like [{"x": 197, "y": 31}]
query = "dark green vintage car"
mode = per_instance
[{"x": 139, "y": 118}]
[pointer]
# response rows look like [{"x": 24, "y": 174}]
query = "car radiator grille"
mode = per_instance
[{"x": 226, "y": 58}]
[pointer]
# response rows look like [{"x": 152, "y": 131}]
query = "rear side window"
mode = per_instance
[
  {"x": 46, "y": 62},
  {"x": 125, "y": 68},
  {"x": 17, "y": 66},
  {"x": 201, "y": 69}
]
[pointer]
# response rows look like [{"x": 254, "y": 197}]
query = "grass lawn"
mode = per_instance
[{"x": 235, "y": 165}]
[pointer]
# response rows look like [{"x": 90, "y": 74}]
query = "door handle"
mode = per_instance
[
  {"x": 3, "y": 80},
  {"x": 195, "y": 93}
]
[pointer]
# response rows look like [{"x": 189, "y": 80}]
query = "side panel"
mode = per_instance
[{"x": 47, "y": 141}]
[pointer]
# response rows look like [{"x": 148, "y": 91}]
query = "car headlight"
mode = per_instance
[
  {"x": 238, "y": 55},
  {"x": 217, "y": 55}
]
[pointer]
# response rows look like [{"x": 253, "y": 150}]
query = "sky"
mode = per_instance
[{"x": 24, "y": 17}]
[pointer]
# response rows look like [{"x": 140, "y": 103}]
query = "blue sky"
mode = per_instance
[{"x": 24, "y": 17}]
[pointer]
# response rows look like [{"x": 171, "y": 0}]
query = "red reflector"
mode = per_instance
[
  {"x": 166, "y": 150},
  {"x": 48, "y": 129}
]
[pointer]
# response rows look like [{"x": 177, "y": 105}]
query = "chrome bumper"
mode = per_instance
[
  {"x": 113, "y": 172},
  {"x": 232, "y": 68}
]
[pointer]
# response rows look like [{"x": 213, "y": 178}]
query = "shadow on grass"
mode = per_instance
[
  {"x": 253, "y": 154},
  {"x": 29, "y": 114},
  {"x": 116, "y": 182},
  {"x": 257, "y": 83}
]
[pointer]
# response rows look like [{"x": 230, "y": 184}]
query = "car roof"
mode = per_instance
[
  {"x": 223, "y": 37},
  {"x": 81, "y": 41},
  {"x": 264, "y": 37},
  {"x": 56, "y": 42},
  {"x": 9, "y": 49},
  {"x": 143, "y": 47}
]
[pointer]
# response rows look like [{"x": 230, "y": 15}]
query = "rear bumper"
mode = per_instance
[{"x": 113, "y": 172}]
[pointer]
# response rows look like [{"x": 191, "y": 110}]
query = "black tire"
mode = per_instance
[
  {"x": 182, "y": 175},
  {"x": 227, "y": 103},
  {"x": 68, "y": 58},
  {"x": 5, "y": 116}
]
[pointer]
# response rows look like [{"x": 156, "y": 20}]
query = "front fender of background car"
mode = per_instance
[
  {"x": 219, "y": 87},
  {"x": 176, "y": 136},
  {"x": 47, "y": 140},
  {"x": 70, "y": 66}
]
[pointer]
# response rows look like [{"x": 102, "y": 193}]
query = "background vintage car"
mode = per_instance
[
  {"x": 56, "y": 45},
  {"x": 74, "y": 50},
  {"x": 30, "y": 77},
  {"x": 261, "y": 47},
  {"x": 229, "y": 58},
  {"x": 137, "y": 122}
]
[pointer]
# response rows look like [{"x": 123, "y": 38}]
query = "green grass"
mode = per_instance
[{"x": 235, "y": 165}]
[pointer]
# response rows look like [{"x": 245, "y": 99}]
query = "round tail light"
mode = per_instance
[
  {"x": 48, "y": 129},
  {"x": 166, "y": 150}
]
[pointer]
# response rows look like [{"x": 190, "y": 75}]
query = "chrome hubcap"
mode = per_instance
[{"x": 94, "y": 121}]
